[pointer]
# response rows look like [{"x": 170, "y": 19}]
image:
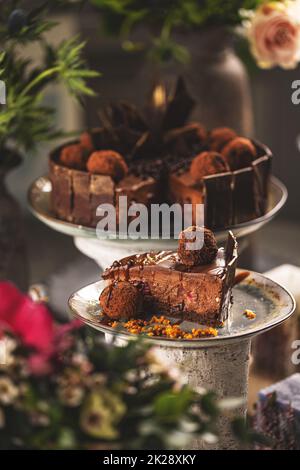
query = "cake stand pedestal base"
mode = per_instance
[{"x": 222, "y": 368}]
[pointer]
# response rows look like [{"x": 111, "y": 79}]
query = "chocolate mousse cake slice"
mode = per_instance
[{"x": 187, "y": 284}]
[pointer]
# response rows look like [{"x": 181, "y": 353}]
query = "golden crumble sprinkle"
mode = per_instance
[
  {"x": 161, "y": 326},
  {"x": 249, "y": 314}
]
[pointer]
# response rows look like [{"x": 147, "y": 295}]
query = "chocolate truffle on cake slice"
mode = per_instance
[
  {"x": 193, "y": 287},
  {"x": 121, "y": 300},
  {"x": 207, "y": 251}
]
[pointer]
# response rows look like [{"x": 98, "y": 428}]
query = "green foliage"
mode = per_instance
[
  {"x": 25, "y": 120},
  {"x": 162, "y": 17},
  {"x": 95, "y": 395}
]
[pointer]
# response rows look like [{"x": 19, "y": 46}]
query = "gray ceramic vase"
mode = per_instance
[{"x": 215, "y": 77}]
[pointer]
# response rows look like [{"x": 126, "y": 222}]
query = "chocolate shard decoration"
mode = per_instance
[
  {"x": 179, "y": 107},
  {"x": 102, "y": 191},
  {"x": 76, "y": 194},
  {"x": 62, "y": 192},
  {"x": 146, "y": 147},
  {"x": 81, "y": 198},
  {"x": 104, "y": 138},
  {"x": 123, "y": 114},
  {"x": 145, "y": 192},
  {"x": 218, "y": 200},
  {"x": 231, "y": 248},
  {"x": 231, "y": 257},
  {"x": 262, "y": 172},
  {"x": 244, "y": 204},
  {"x": 126, "y": 139}
]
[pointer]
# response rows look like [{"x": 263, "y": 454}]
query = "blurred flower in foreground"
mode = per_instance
[
  {"x": 31, "y": 321},
  {"x": 63, "y": 388},
  {"x": 8, "y": 391},
  {"x": 273, "y": 31},
  {"x": 101, "y": 414}
]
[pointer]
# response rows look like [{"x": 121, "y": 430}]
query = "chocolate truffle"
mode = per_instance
[
  {"x": 107, "y": 162},
  {"x": 199, "y": 256},
  {"x": 208, "y": 163},
  {"x": 73, "y": 156},
  {"x": 86, "y": 141},
  {"x": 219, "y": 137},
  {"x": 121, "y": 300},
  {"x": 239, "y": 153},
  {"x": 185, "y": 138}
]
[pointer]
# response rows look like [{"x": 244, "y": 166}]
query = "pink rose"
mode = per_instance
[
  {"x": 31, "y": 321},
  {"x": 274, "y": 35},
  {"x": 40, "y": 364}
]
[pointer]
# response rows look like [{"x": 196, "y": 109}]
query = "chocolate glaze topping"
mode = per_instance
[{"x": 168, "y": 260}]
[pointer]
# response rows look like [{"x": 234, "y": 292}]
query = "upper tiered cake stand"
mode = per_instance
[{"x": 105, "y": 251}]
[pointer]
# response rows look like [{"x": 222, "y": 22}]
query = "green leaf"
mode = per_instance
[
  {"x": 123, "y": 16},
  {"x": 25, "y": 120},
  {"x": 209, "y": 404},
  {"x": 171, "y": 405},
  {"x": 66, "y": 439}
]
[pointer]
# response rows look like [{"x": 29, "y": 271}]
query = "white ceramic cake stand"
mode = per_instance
[
  {"x": 104, "y": 252},
  {"x": 220, "y": 363}
]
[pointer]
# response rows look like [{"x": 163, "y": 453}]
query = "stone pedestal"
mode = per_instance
[{"x": 222, "y": 367}]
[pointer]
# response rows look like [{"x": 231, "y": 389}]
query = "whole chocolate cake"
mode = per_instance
[
  {"x": 157, "y": 157},
  {"x": 188, "y": 286}
]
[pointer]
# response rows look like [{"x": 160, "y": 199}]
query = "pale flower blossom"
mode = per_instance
[
  {"x": 8, "y": 391},
  {"x": 273, "y": 31},
  {"x": 71, "y": 396}
]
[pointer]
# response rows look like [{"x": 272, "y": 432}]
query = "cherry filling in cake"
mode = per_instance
[{"x": 187, "y": 284}]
